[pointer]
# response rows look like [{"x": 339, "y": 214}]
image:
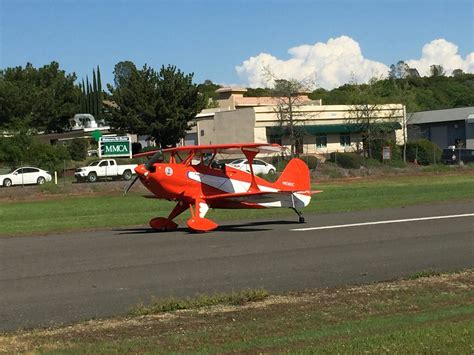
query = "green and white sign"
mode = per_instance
[{"x": 110, "y": 147}]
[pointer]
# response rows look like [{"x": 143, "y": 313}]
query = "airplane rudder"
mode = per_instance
[{"x": 295, "y": 176}]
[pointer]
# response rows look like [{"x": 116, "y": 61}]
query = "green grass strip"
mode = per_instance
[{"x": 73, "y": 213}]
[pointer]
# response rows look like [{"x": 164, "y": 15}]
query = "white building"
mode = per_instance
[{"x": 327, "y": 128}]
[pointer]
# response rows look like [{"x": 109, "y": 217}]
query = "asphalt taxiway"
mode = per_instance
[{"x": 62, "y": 278}]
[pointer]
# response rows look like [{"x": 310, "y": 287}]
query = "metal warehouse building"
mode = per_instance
[{"x": 451, "y": 127}]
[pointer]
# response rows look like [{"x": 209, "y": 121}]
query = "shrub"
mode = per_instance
[
  {"x": 347, "y": 160},
  {"x": 372, "y": 163},
  {"x": 49, "y": 157},
  {"x": 424, "y": 151},
  {"x": 279, "y": 162},
  {"x": 15, "y": 150},
  {"x": 78, "y": 149},
  {"x": 311, "y": 161}
]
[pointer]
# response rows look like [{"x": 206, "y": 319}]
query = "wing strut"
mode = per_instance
[{"x": 250, "y": 154}]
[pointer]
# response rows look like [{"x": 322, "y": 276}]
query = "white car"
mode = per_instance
[
  {"x": 25, "y": 176},
  {"x": 259, "y": 166}
]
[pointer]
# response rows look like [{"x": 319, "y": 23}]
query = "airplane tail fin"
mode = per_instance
[{"x": 295, "y": 177}]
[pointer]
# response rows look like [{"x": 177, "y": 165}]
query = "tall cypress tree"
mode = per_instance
[
  {"x": 94, "y": 94},
  {"x": 83, "y": 97},
  {"x": 99, "y": 95},
  {"x": 91, "y": 100},
  {"x": 88, "y": 95}
]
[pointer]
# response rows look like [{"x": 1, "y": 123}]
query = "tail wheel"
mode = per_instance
[
  {"x": 41, "y": 180},
  {"x": 92, "y": 177},
  {"x": 7, "y": 183}
]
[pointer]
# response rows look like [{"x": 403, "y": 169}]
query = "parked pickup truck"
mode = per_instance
[{"x": 103, "y": 169}]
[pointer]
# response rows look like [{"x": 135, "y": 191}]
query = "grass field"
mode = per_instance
[
  {"x": 64, "y": 212},
  {"x": 413, "y": 316}
]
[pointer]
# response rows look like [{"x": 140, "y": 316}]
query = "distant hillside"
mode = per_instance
[{"x": 418, "y": 94}]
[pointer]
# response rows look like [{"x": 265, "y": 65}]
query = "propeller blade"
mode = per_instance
[
  {"x": 158, "y": 156},
  {"x": 130, "y": 185}
]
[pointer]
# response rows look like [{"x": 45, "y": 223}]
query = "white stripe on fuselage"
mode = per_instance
[
  {"x": 225, "y": 184},
  {"x": 297, "y": 200}
]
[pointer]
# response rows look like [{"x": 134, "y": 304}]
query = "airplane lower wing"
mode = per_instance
[{"x": 295, "y": 199}]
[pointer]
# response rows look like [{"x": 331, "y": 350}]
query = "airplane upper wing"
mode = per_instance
[{"x": 221, "y": 148}]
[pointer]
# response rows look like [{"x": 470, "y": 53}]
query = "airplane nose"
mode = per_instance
[{"x": 141, "y": 170}]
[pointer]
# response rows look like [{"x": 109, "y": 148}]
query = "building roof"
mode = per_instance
[
  {"x": 452, "y": 114},
  {"x": 271, "y": 101},
  {"x": 231, "y": 90}
]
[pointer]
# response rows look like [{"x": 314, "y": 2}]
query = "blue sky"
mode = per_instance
[{"x": 211, "y": 38}]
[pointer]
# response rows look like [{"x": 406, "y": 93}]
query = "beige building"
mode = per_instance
[{"x": 327, "y": 128}]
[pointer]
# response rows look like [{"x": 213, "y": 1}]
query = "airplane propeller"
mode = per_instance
[
  {"x": 130, "y": 185},
  {"x": 158, "y": 156}
]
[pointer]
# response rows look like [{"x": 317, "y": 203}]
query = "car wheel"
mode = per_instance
[
  {"x": 271, "y": 171},
  {"x": 92, "y": 177},
  {"x": 127, "y": 175},
  {"x": 41, "y": 180},
  {"x": 7, "y": 183}
]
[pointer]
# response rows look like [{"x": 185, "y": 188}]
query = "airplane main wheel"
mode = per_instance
[{"x": 301, "y": 219}]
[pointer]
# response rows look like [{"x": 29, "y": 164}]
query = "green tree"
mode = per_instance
[
  {"x": 160, "y": 104},
  {"x": 370, "y": 119},
  {"x": 287, "y": 94},
  {"x": 122, "y": 71},
  {"x": 437, "y": 70},
  {"x": 78, "y": 149},
  {"x": 43, "y": 99},
  {"x": 420, "y": 93},
  {"x": 99, "y": 95},
  {"x": 95, "y": 97},
  {"x": 208, "y": 90}
]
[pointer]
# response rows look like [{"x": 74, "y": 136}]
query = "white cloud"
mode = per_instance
[
  {"x": 442, "y": 52},
  {"x": 334, "y": 63},
  {"x": 340, "y": 60}
]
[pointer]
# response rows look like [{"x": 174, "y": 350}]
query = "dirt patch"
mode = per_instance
[{"x": 51, "y": 192}]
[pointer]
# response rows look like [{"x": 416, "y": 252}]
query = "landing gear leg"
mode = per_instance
[
  {"x": 163, "y": 224},
  {"x": 300, "y": 215}
]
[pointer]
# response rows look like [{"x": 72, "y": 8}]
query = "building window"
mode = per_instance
[
  {"x": 274, "y": 139},
  {"x": 321, "y": 141},
  {"x": 345, "y": 140},
  {"x": 202, "y": 132}
]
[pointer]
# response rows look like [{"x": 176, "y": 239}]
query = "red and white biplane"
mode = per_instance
[{"x": 198, "y": 184}]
